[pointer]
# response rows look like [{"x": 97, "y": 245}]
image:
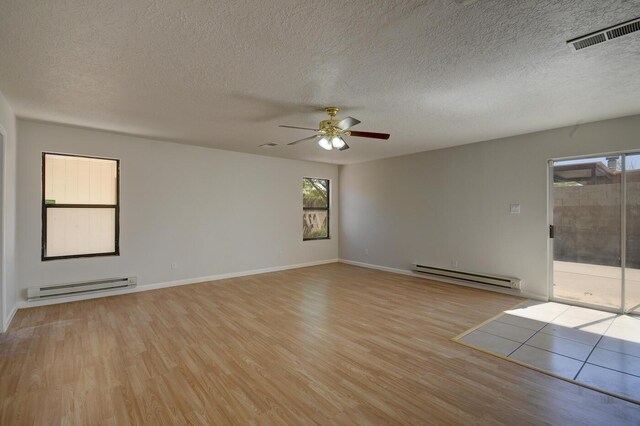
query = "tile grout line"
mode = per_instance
[
  {"x": 612, "y": 369},
  {"x": 534, "y": 334},
  {"x": 556, "y": 353},
  {"x": 594, "y": 348},
  {"x": 619, "y": 352},
  {"x": 506, "y": 338},
  {"x": 551, "y": 373},
  {"x": 536, "y": 330},
  {"x": 495, "y": 335},
  {"x": 584, "y": 362}
]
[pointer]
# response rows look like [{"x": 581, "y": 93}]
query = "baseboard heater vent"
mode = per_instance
[
  {"x": 60, "y": 290},
  {"x": 467, "y": 277}
]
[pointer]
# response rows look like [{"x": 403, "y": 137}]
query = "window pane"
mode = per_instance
[
  {"x": 72, "y": 231},
  {"x": 315, "y": 192},
  {"x": 314, "y": 224},
  {"x": 78, "y": 180}
]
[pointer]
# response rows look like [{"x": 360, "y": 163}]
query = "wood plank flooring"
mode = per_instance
[{"x": 331, "y": 344}]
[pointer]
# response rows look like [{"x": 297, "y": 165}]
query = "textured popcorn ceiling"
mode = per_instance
[{"x": 225, "y": 73}]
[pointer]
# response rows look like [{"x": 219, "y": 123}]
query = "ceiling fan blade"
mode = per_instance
[
  {"x": 302, "y": 140},
  {"x": 344, "y": 147},
  {"x": 348, "y": 123},
  {"x": 371, "y": 135},
  {"x": 296, "y": 127}
]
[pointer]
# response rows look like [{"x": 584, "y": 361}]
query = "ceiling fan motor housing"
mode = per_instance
[
  {"x": 330, "y": 127},
  {"x": 328, "y": 124}
]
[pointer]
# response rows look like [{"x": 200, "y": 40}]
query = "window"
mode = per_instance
[
  {"x": 315, "y": 206},
  {"x": 80, "y": 206}
]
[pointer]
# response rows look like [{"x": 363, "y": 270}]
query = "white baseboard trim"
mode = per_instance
[
  {"x": 510, "y": 292},
  {"x": 534, "y": 296},
  {"x": 7, "y": 321},
  {"x": 155, "y": 286},
  {"x": 234, "y": 275},
  {"x": 378, "y": 267}
]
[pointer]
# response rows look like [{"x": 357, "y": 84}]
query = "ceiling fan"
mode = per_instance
[{"x": 332, "y": 132}]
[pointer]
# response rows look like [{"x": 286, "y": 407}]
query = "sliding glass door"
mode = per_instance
[
  {"x": 595, "y": 228},
  {"x": 632, "y": 231}
]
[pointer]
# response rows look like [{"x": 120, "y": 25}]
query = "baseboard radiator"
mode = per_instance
[
  {"x": 467, "y": 277},
  {"x": 70, "y": 289}
]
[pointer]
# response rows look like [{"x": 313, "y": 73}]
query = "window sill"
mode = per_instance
[{"x": 78, "y": 256}]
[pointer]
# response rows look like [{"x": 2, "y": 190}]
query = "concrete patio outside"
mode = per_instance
[{"x": 596, "y": 284}]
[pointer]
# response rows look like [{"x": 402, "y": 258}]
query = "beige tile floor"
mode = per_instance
[{"x": 596, "y": 348}]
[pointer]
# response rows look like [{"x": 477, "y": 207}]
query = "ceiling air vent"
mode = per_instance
[
  {"x": 625, "y": 29},
  {"x": 589, "y": 41},
  {"x": 606, "y": 34}
]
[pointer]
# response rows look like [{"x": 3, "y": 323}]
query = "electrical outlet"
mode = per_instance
[
  {"x": 454, "y": 263},
  {"x": 174, "y": 265},
  {"x": 366, "y": 252}
]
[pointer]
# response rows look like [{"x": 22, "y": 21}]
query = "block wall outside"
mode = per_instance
[{"x": 587, "y": 224}]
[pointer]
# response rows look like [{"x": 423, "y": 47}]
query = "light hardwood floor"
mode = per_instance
[{"x": 332, "y": 344}]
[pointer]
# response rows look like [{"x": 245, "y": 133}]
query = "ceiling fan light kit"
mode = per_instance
[
  {"x": 336, "y": 142},
  {"x": 324, "y": 143},
  {"x": 332, "y": 132}
]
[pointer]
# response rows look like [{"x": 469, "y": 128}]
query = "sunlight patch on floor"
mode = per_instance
[{"x": 593, "y": 348}]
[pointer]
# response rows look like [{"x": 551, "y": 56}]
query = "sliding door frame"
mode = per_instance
[
  {"x": 623, "y": 228},
  {"x": 623, "y": 231}
]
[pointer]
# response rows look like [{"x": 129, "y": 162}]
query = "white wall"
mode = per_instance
[
  {"x": 209, "y": 211},
  {"x": 453, "y": 204},
  {"x": 8, "y": 179}
]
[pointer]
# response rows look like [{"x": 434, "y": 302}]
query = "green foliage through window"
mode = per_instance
[{"x": 315, "y": 205}]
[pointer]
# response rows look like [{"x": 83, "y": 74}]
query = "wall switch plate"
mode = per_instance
[{"x": 515, "y": 209}]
